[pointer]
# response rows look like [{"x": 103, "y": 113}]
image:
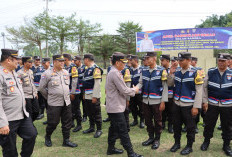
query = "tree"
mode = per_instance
[
  {"x": 84, "y": 32},
  {"x": 103, "y": 46},
  {"x": 126, "y": 41}
]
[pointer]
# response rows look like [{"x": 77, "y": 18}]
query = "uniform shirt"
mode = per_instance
[
  {"x": 199, "y": 92},
  {"x": 27, "y": 79},
  {"x": 164, "y": 92},
  {"x": 205, "y": 96},
  {"x": 12, "y": 100},
  {"x": 54, "y": 86},
  {"x": 96, "y": 89},
  {"x": 116, "y": 92},
  {"x": 37, "y": 74}
]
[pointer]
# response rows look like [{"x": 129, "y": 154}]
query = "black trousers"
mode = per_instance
[
  {"x": 26, "y": 130},
  {"x": 167, "y": 114},
  {"x": 126, "y": 114},
  {"x": 202, "y": 114},
  {"x": 211, "y": 120},
  {"x": 118, "y": 129},
  {"x": 42, "y": 102},
  {"x": 94, "y": 113},
  {"x": 32, "y": 107},
  {"x": 183, "y": 115},
  {"x": 54, "y": 114},
  {"x": 76, "y": 111},
  {"x": 152, "y": 112},
  {"x": 136, "y": 107},
  {"x": 84, "y": 110}
]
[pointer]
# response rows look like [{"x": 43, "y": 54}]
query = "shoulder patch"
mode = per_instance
[
  {"x": 164, "y": 75},
  {"x": 74, "y": 72},
  {"x": 199, "y": 78},
  {"x": 97, "y": 73}
]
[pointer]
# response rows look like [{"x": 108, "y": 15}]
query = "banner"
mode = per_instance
[{"x": 183, "y": 39}]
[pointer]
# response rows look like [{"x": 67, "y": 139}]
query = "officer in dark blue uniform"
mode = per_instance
[
  {"x": 136, "y": 101},
  {"x": 68, "y": 65},
  {"x": 38, "y": 69},
  {"x": 20, "y": 64},
  {"x": 218, "y": 101},
  {"x": 188, "y": 91},
  {"x": 92, "y": 86},
  {"x": 167, "y": 114}
]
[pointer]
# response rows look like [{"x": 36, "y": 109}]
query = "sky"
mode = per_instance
[{"x": 150, "y": 14}]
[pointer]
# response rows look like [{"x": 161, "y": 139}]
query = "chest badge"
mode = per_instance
[
  {"x": 229, "y": 77},
  {"x": 12, "y": 89},
  {"x": 190, "y": 73},
  {"x": 157, "y": 72}
]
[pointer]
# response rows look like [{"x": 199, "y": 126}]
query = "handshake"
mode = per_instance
[{"x": 136, "y": 88}]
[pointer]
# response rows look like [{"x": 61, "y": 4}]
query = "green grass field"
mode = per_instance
[{"x": 91, "y": 147}]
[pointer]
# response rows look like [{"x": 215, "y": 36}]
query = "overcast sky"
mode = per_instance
[{"x": 151, "y": 14}]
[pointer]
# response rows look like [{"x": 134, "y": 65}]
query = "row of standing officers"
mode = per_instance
[{"x": 61, "y": 88}]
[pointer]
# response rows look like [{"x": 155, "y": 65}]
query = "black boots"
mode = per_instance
[
  {"x": 156, "y": 144},
  {"x": 176, "y": 145},
  {"x": 131, "y": 153},
  {"x": 106, "y": 120},
  {"x": 68, "y": 143},
  {"x": 97, "y": 134},
  {"x": 91, "y": 129},
  {"x": 148, "y": 142},
  {"x": 48, "y": 141},
  {"x": 205, "y": 145},
  {"x": 226, "y": 148},
  {"x": 188, "y": 149},
  {"x": 77, "y": 128},
  {"x": 113, "y": 150},
  {"x": 134, "y": 123},
  {"x": 141, "y": 125}
]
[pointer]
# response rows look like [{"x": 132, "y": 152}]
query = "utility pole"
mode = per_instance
[{"x": 3, "y": 36}]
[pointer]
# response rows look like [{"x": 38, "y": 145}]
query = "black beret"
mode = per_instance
[
  {"x": 174, "y": 58},
  {"x": 133, "y": 57},
  {"x": 119, "y": 56},
  {"x": 27, "y": 59},
  {"x": 47, "y": 59},
  {"x": 151, "y": 54},
  {"x": 194, "y": 58},
  {"x": 77, "y": 58},
  {"x": 36, "y": 57},
  {"x": 223, "y": 56},
  {"x": 165, "y": 56},
  {"x": 184, "y": 55},
  {"x": 10, "y": 52},
  {"x": 58, "y": 57},
  {"x": 89, "y": 55}
]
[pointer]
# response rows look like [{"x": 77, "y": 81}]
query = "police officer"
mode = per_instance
[
  {"x": 20, "y": 64},
  {"x": 46, "y": 66},
  {"x": 116, "y": 92},
  {"x": 75, "y": 96},
  {"x": 14, "y": 119},
  {"x": 38, "y": 69},
  {"x": 26, "y": 76},
  {"x": 153, "y": 82},
  {"x": 217, "y": 100},
  {"x": 69, "y": 66},
  {"x": 136, "y": 101},
  {"x": 188, "y": 83},
  {"x": 81, "y": 69},
  {"x": 54, "y": 86},
  {"x": 167, "y": 113},
  {"x": 92, "y": 86}
]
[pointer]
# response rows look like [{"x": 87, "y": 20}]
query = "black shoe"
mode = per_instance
[
  {"x": 148, "y": 142},
  {"x": 97, "y": 134},
  {"x": 106, "y": 120},
  {"x": 84, "y": 119},
  {"x": 205, "y": 145},
  {"x": 77, "y": 128},
  {"x": 134, "y": 155},
  {"x": 184, "y": 129},
  {"x": 40, "y": 116},
  {"x": 48, "y": 141},
  {"x": 219, "y": 127},
  {"x": 141, "y": 125},
  {"x": 187, "y": 150},
  {"x": 156, "y": 144},
  {"x": 134, "y": 123},
  {"x": 227, "y": 150},
  {"x": 114, "y": 151},
  {"x": 88, "y": 131},
  {"x": 170, "y": 128},
  {"x": 45, "y": 123},
  {"x": 175, "y": 147},
  {"x": 68, "y": 143}
]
